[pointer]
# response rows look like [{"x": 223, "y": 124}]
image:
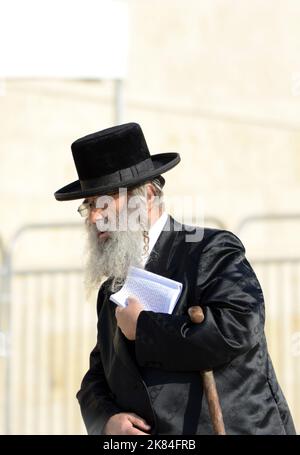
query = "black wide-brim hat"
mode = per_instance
[{"x": 113, "y": 158}]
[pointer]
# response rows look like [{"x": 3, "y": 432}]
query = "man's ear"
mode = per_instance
[{"x": 150, "y": 192}]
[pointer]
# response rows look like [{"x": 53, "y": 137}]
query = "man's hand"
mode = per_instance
[
  {"x": 127, "y": 317},
  {"x": 125, "y": 423}
]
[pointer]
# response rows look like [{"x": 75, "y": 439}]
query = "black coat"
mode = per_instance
[{"x": 157, "y": 376}]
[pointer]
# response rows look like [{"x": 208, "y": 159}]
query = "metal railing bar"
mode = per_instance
[{"x": 267, "y": 217}]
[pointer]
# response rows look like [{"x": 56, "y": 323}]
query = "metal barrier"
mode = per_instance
[
  {"x": 49, "y": 333},
  {"x": 2, "y": 254},
  {"x": 280, "y": 281},
  {"x": 3, "y": 329},
  {"x": 266, "y": 218}
]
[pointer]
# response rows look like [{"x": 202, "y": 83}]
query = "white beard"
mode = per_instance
[{"x": 111, "y": 257}]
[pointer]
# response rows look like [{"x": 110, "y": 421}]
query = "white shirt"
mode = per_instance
[{"x": 154, "y": 233}]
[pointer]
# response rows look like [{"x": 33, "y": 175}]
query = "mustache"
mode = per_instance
[{"x": 126, "y": 219}]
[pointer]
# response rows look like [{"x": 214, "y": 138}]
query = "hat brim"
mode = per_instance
[{"x": 162, "y": 162}]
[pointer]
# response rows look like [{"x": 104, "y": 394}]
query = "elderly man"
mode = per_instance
[{"x": 144, "y": 370}]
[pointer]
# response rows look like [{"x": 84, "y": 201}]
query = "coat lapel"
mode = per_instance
[{"x": 160, "y": 256}]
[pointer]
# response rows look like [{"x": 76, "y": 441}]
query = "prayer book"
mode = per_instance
[{"x": 155, "y": 292}]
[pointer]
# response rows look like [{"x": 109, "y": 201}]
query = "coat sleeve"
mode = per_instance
[
  {"x": 95, "y": 398},
  {"x": 229, "y": 293}
]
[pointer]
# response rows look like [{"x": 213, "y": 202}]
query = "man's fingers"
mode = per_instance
[
  {"x": 118, "y": 310},
  {"x": 138, "y": 422},
  {"x": 132, "y": 299}
]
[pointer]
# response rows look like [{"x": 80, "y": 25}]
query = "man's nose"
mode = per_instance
[{"x": 96, "y": 214}]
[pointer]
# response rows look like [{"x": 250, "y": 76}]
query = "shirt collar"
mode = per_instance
[{"x": 155, "y": 231}]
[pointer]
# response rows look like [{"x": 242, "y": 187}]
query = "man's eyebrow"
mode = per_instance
[{"x": 87, "y": 201}]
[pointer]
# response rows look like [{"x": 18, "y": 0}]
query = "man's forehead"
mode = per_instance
[
  {"x": 90, "y": 199},
  {"x": 94, "y": 198},
  {"x": 108, "y": 195}
]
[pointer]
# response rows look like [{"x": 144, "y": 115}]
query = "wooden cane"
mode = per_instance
[{"x": 209, "y": 383}]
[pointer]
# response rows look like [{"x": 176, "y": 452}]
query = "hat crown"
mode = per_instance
[
  {"x": 109, "y": 150},
  {"x": 117, "y": 157}
]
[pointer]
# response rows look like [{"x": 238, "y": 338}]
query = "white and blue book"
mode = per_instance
[{"x": 155, "y": 292}]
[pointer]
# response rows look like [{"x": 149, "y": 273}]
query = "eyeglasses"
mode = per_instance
[{"x": 85, "y": 208}]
